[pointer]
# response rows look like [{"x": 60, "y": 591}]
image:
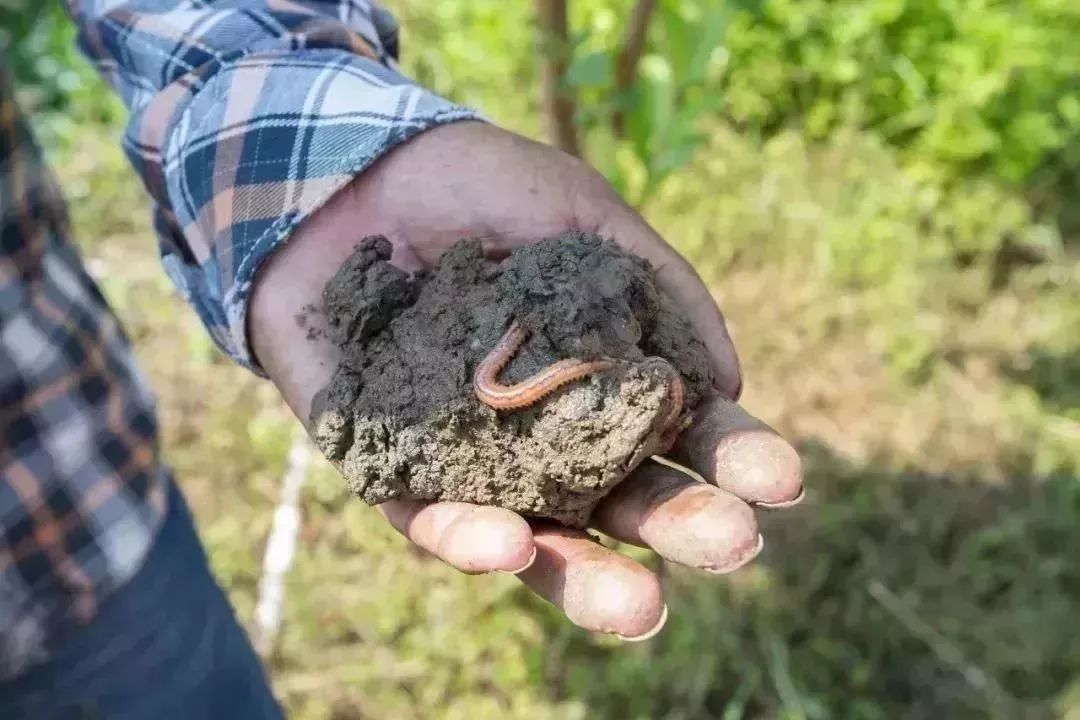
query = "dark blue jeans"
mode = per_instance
[{"x": 166, "y": 646}]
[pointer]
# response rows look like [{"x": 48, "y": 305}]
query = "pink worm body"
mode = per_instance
[
  {"x": 532, "y": 389},
  {"x": 674, "y": 423}
]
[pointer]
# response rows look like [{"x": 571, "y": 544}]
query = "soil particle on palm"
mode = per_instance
[{"x": 400, "y": 417}]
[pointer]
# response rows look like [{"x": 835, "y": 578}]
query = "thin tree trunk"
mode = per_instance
[
  {"x": 626, "y": 62},
  {"x": 558, "y": 101}
]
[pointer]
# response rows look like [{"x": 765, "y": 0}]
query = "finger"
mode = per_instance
[
  {"x": 472, "y": 538},
  {"x": 737, "y": 452},
  {"x": 596, "y": 588},
  {"x": 685, "y": 521},
  {"x": 678, "y": 279}
]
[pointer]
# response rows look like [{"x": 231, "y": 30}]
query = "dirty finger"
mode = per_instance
[
  {"x": 597, "y": 589},
  {"x": 739, "y": 453},
  {"x": 683, "y": 520},
  {"x": 676, "y": 277},
  {"x": 471, "y": 538}
]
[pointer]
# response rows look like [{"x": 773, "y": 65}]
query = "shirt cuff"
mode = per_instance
[{"x": 260, "y": 146}]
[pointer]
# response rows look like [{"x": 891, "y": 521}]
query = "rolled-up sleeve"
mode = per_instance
[{"x": 246, "y": 116}]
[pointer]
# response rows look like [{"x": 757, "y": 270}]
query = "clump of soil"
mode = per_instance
[{"x": 400, "y": 418}]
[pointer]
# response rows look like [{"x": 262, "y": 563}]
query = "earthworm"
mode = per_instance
[
  {"x": 677, "y": 403},
  {"x": 532, "y": 389}
]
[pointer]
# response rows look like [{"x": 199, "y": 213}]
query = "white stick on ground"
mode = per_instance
[{"x": 280, "y": 547}]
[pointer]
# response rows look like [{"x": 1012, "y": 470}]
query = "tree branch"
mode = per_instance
[
  {"x": 557, "y": 100},
  {"x": 626, "y": 62}
]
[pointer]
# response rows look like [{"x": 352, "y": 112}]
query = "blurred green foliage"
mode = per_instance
[
  {"x": 961, "y": 102},
  {"x": 863, "y": 219},
  {"x": 475, "y": 66},
  {"x": 677, "y": 88},
  {"x": 53, "y": 78},
  {"x": 905, "y": 312},
  {"x": 961, "y": 84}
]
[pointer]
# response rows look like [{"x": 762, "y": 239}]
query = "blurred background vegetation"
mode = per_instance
[{"x": 883, "y": 195}]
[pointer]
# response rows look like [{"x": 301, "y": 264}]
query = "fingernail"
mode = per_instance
[
  {"x": 649, "y": 633},
  {"x": 785, "y": 503},
  {"x": 741, "y": 561},
  {"x": 737, "y": 392},
  {"x": 523, "y": 568}
]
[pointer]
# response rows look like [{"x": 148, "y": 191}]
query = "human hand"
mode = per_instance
[{"x": 475, "y": 180}]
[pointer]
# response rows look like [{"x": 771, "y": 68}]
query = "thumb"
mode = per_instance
[{"x": 676, "y": 277}]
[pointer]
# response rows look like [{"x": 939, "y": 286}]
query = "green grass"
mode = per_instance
[{"x": 932, "y": 572}]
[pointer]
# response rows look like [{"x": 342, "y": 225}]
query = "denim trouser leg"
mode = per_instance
[{"x": 166, "y": 646}]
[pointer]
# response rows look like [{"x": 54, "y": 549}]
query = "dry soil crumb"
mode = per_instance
[{"x": 400, "y": 417}]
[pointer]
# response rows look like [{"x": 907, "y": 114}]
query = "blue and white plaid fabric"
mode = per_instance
[
  {"x": 81, "y": 487},
  {"x": 246, "y": 116}
]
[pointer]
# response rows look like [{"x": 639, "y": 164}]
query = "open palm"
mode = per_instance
[{"x": 474, "y": 180}]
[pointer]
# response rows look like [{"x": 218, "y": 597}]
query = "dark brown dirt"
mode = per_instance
[{"x": 400, "y": 418}]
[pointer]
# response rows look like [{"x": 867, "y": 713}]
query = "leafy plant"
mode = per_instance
[
  {"x": 960, "y": 85},
  {"x": 641, "y": 81}
]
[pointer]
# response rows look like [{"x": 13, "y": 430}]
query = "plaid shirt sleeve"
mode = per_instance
[
  {"x": 82, "y": 490},
  {"x": 246, "y": 116}
]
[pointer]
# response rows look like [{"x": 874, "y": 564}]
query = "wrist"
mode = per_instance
[{"x": 284, "y": 323}]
